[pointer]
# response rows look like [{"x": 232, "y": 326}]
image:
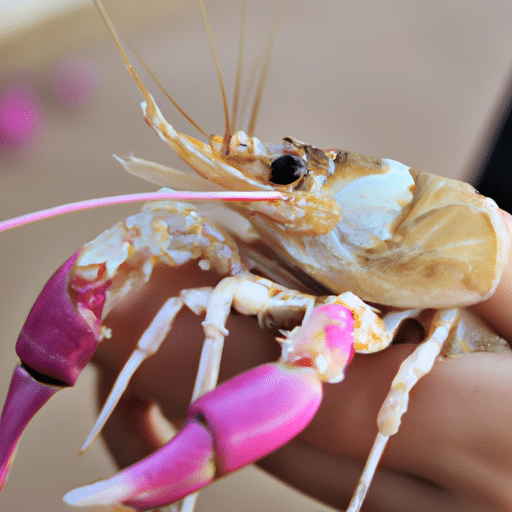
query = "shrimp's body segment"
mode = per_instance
[{"x": 366, "y": 230}]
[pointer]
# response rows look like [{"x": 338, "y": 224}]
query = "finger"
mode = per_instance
[
  {"x": 331, "y": 479},
  {"x": 135, "y": 428},
  {"x": 455, "y": 434}
]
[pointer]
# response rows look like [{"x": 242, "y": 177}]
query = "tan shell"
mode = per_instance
[{"x": 448, "y": 250}]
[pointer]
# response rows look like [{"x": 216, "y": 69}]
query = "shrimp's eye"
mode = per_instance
[{"x": 286, "y": 169}]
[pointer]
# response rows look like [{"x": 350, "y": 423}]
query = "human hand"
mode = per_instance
[{"x": 451, "y": 453}]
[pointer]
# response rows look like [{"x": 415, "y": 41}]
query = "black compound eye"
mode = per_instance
[{"x": 286, "y": 169}]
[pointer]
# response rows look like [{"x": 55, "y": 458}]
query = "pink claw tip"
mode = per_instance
[
  {"x": 181, "y": 467},
  {"x": 75, "y": 81},
  {"x": 24, "y": 398},
  {"x": 20, "y": 117}
]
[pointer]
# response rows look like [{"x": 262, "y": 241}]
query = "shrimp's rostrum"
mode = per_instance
[{"x": 362, "y": 245}]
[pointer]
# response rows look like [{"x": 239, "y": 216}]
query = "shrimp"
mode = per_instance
[{"x": 317, "y": 223}]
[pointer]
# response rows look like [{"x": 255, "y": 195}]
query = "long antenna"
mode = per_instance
[
  {"x": 140, "y": 84},
  {"x": 167, "y": 95},
  {"x": 238, "y": 81},
  {"x": 142, "y": 197},
  {"x": 264, "y": 72},
  {"x": 227, "y": 132}
]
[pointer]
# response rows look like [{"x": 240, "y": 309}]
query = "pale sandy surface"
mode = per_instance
[{"x": 404, "y": 80}]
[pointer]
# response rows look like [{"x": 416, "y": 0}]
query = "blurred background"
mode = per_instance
[{"x": 426, "y": 84}]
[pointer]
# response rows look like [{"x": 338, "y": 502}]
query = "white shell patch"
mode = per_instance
[{"x": 371, "y": 204}]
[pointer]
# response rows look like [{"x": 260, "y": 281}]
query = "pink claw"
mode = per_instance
[
  {"x": 56, "y": 342},
  {"x": 239, "y": 422}
]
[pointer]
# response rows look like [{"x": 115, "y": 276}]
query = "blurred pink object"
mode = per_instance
[
  {"x": 75, "y": 81},
  {"x": 20, "y": 117}
]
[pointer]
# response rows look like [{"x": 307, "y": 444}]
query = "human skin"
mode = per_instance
[{"x": 453, "y": 451}]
